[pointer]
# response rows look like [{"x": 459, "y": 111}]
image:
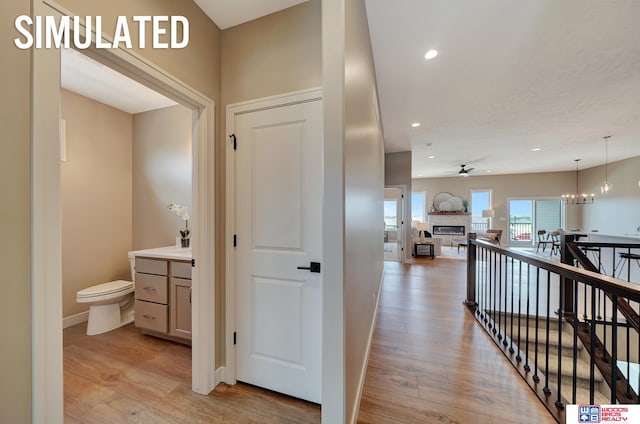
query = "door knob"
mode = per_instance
[{"x": 313, "y": 267}]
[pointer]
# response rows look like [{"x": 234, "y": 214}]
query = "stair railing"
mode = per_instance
[{"x": 570, "y": 332}]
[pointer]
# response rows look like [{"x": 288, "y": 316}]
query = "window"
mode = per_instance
[
  {"x": 417, "y": 207},
  {"x": 391, "y": 213},
  {"x": 480, "y": 201}
]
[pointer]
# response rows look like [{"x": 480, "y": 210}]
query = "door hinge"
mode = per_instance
[
  {"x": 234, "y": 337},
  {"x": 234, "y": 140},
  {"x": 235, "y": 240},
  {"x": 193, "y": 263}
]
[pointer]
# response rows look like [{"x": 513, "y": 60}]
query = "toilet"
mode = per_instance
[{"x": 111, "y": 305}]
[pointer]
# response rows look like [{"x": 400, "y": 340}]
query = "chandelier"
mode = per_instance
[{"x": 576, "y": 198}]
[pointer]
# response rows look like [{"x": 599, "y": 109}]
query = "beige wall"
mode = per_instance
[
  {"x": 276, "y": 54},
  {"x": 617, "y": 211},
  {"x": 95, "y": 194},
  {"x": 397, "y": 172},
  {"x": 364, "y": 195},
  {"x": 503, "y": 188},
  {"x": 15, "y": 303},
  {"x": 272, "y": 55},
  {"x": 162, "y": 166}
]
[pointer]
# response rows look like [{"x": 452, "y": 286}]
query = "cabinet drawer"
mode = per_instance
[
  {"x": 151, "y": 266},
  {"x": 152, "y": 288},
  {"x": 181, "y": 269},
  {"x": 151, "y": 316}
]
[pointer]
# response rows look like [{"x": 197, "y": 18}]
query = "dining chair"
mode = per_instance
[
  {"x": 543, "y": 240},
  {"x": 555, "y": 242}
]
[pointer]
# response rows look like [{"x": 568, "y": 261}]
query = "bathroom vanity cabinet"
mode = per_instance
[{"x": 163, "y": 294}]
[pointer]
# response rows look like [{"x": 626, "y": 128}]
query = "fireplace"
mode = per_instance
[{"x": 448, "y": 230}]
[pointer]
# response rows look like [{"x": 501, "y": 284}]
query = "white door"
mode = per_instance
[{"x": 279, "y": 229}]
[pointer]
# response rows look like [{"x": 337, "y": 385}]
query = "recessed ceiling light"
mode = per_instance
[
  {"x": 415, "y": 124},
  {"x": 536, "y": 149},
  {"x": 431, "y": 54},
  {"x": 489, "y": 171},
  {"x": 431, "y": 157}
]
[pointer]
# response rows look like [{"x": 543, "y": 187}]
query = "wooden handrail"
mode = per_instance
[{"x": 487, "y": 288}]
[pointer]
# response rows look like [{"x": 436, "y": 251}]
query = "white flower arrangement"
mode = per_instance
[{"x": 183, "y": 212}]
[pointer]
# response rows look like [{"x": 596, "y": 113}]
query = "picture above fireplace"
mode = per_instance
[{"x": 448, "y": 230}]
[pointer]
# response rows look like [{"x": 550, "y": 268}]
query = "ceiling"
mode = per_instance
[
  {"x": 91, "y": 79},
  {"x": 509, "y": 77}
]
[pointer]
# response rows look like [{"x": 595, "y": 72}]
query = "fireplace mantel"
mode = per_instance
[{"x": 448, "y": 213}]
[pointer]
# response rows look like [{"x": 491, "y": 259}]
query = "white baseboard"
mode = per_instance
[
  {"x": 219, "y": 376},
  {"x": 75, "y": 319}
]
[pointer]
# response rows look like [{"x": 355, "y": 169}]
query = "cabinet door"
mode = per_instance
[{"x": 180, "y": 308}]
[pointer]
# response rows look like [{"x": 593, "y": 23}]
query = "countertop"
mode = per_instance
[
  {"x": 168, "y": 252},
  {"x": 631, "y": 238}
]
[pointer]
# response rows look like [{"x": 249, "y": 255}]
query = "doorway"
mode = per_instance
[
  {"x": 45, "y": 209},
  {"x": 393, "y": 224}
]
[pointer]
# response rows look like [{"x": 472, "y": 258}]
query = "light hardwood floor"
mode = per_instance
[{"x": 429, "y": 363}]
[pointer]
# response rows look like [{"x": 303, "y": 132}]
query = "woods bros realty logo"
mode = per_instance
[
  {"x": 167, "y": 32},
  {"x": 603, "y": 414}
]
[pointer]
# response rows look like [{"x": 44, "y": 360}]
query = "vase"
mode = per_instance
[{"x": 184, "y": 242}]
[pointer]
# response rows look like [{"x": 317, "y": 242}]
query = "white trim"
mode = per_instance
[
  {"x": 47, "y": 401},
  {"x": 230, "y": 280},
  {"x": 219, "y": 376},
  {"x": 405, "y": 230},
  {"x": 76, "y": 319},
  {"x": 46, "y": 258},
  {"x": 365, "y": 364}
]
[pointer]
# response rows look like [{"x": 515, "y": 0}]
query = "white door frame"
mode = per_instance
[
  {"x": 230, "y": 286},
  {"x": 46, "y": 258},
  {"x": 405, "y": 230}
]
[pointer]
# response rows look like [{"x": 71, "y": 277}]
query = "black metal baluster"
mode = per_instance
[
  {"x": 494, "y": 284},
  {"x": 604, "y": 332},
  {"x": 558, "y": 402},
  {"x": 518, "y": 357},
  {"x": 576, "y": 328},
  {"x": 592, "y": 343},
  {"x": 628, "y": 343},
  {"x": 506, "y": 306},
  {"x": 511, "y": 350},
  {"x": 500, "y": 313},
  {"x": 536, "y": 378},
  {"x": 614, "y": 348},
  {"x": 546, "y": 388},
  {"x": 527, "y": 368}
]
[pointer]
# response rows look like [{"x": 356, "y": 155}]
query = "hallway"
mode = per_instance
[{"x": 431, "y": 363}]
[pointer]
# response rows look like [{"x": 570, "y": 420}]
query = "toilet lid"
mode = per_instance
[{"x": 105, "y": 288}]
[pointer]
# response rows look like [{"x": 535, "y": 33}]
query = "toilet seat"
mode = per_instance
[{"x": 104, "y": 291}]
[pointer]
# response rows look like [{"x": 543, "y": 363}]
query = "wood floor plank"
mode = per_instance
[{"x": 427, "y": 334}]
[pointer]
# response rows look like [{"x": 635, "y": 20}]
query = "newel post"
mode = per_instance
[{"x": 471, "y": 271}]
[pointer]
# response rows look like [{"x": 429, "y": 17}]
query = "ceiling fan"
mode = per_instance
[{"x": 464, "y": 172}]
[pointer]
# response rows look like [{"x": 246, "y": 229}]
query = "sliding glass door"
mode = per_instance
[{"x": 527, "y": 216}]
